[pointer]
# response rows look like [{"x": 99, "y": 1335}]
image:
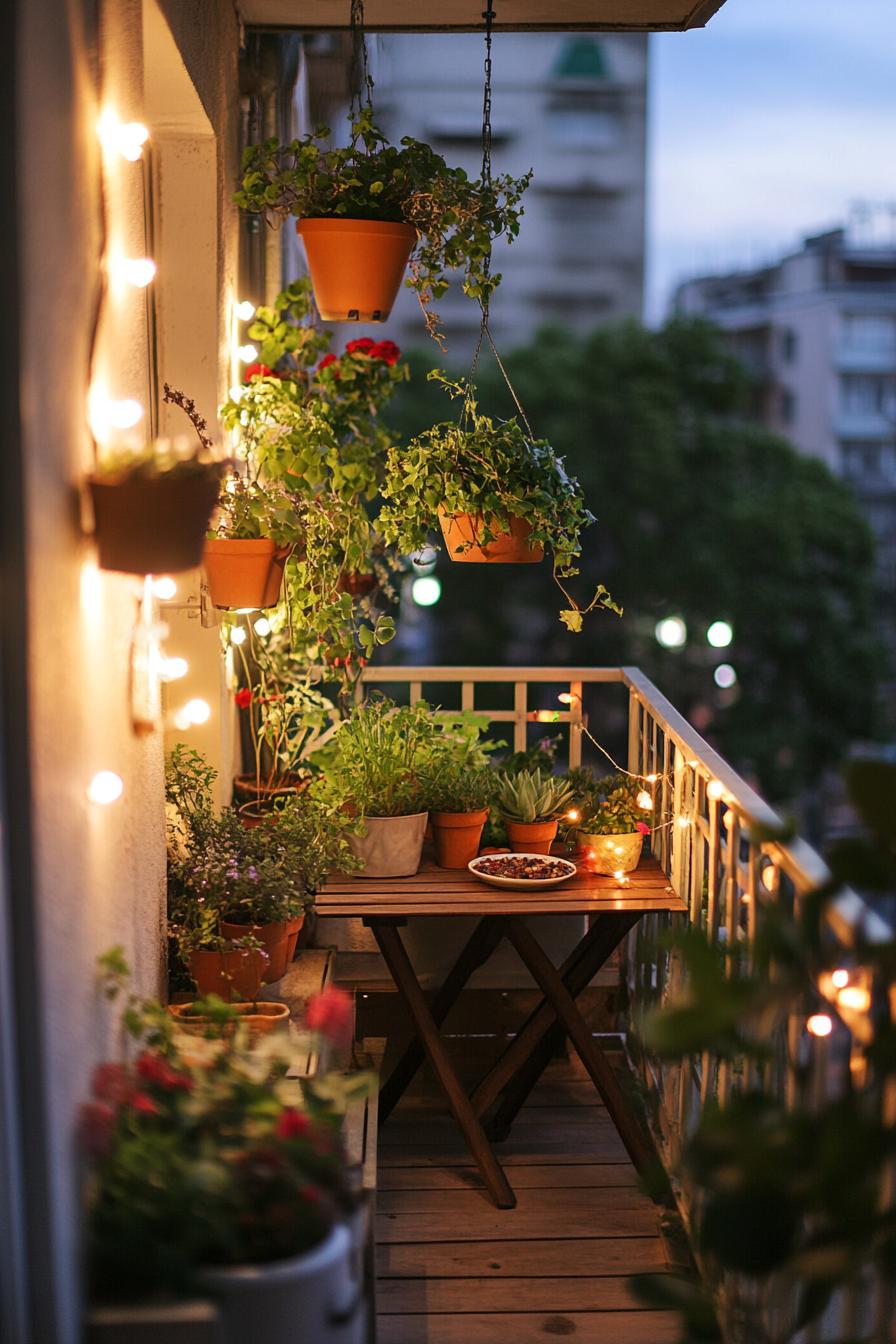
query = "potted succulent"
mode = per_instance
[
  {"x": 499, "y": 496},
  {"x": 213, "y": 1174},
  {"x": 611, "y": 826},
  {"x": 376, "y": 771},
  {"x": 531, "y": 803},
  {"x": 364, "y": 209}
]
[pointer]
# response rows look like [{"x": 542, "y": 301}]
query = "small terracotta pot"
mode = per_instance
[
  {"x": 463, "y": 531},
  {"x": 531, "y": 837},
  {"x": 392, "y": 846},
  {"x": 274, "y": 938},
  {"x": 356, "y": 583},
  {"x": 293, "y": 929},
  {"x": 611, "y": 854},
  {"x": 156, "y": 524},
  {"x": 260, "y": 1017},
  {"x": 356, "y": 265},
  {"x": 244, "y": 574},
  {"x": 457, "y": 836},
  {"x": 235, "y": 974}
]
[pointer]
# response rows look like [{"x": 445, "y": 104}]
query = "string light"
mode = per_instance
[
  {"x": 819, "y": 1024},
  {"x": 247, "y": 353},
  {"x": 840, "y": 978},
  {"x": 237, "y": 635},
  {"x": 573, "y": 814},
  {"x": 136, "y": 271},
  {"x": 671, "y": 632},
  {"x": 106, "y": 414},
  {"x": 262, "y": 627},
  {"x": 854, "y": 998},
  {"x": 719, "y": 635},
  {"x": 770, "y": 877},
  {"x": 193, "y": 713},
  {"x": 715, "y": 789},
  {"x": 645, "y": 801},
  {"x": 567, "y": 698},
  {"x": 127, "y": 138},
  {"x": 725, "y": 676},
  {"x": 105, "y": 787},
  {"x": 235, "y": 393},
  {"x": 172, "y": 669},
  {"x": 426, "y": 590},
  {"x": 683, "y": 822},
  {"x": 245, "y": 310},
  {"x": 545, "y": 716},
  {"x": 164, "y": 587}
]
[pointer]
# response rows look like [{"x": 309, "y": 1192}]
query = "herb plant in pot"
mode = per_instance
[
  {"x": 531, "y": 803},
  {"x": 380, "y": 754},
  {"x": 245, "y": 554},
  {"x": 364, "y": 209},
  {"x": 458, "y": 795},
  {"x": 612, "y": 823}
]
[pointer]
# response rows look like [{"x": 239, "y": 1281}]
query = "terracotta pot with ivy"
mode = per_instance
[{"x": 363, "y": 210}]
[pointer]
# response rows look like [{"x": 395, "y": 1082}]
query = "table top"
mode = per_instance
[{"x": 448, "y": 891}]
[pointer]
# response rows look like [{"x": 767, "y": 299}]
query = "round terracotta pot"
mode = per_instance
[
  {"x": 392, "y": 846},
  {"x": 155, "y": 524},
  {"x": 261, "y": 1018},
  {"x": 274, "y": 938},
  {"x": 293, "y": 929},
  {"x": 531, "y": 837},
  {"x": 357, "y": 584},
  {"x": 244, "y": 574},
  {"x": 611, "y": 854},
  {"x": 235, "y": 974},
  {"x": 356, "y": 265},
  {"x": 462, "y": 533},
  {"x": 457, "y": 836}
]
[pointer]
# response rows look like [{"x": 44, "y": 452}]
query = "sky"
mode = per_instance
[{"x": 764, "y": 126}]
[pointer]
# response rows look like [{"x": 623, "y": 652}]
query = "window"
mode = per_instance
[
  {"x": 584, "y": 120},
  {"x": 787, "y": 406},
  {"x": 869, "y": 331},
  {"x": 868, "y": 394},
  {"x": 859, "y": 460},
  {"x": 789, "y": 345}
]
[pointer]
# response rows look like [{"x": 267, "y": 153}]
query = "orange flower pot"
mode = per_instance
[
  {"x": 235, "y": 973},
  {"x": 356, "y": 265},
  {"x": 244, "y": 573},
  {"x": 463, "y": 541},
  {"x": 155, "y": 524},
  {"x": 531, "y": 837},
  {"x": 260, "y": 1017},
  {"x": 457, "y": 836},
  {"x": 294, "y": 928},
  {"x": 274, "y": 938}
]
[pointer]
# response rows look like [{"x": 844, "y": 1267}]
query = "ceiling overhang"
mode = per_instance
[{"x": 464, "y": 16}]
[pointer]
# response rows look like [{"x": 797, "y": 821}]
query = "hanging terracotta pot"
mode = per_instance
[
  {"x": 356, "y": 265},
  {"x": 260, "y": 1018},
  {"x": 531, "y": 837},
  {"x": 457, "y": 836},
  {"x": 247, "y": 574},
  {"x": 153, "y": 524},
  {"x": 274, "y": 938},
  {"x": 463, "y": 541},
  {"x": 234, "y": 973}
]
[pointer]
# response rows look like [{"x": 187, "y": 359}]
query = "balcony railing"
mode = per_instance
[{"x": 706, "y": 818}]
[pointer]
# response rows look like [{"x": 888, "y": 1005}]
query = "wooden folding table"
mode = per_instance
[{"x": 386, "y": 904}]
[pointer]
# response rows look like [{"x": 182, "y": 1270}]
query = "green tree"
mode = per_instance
[{"x": 700, "y": 515}]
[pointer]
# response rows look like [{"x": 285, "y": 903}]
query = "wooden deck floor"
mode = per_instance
[{"x": 453, "y": 1269}]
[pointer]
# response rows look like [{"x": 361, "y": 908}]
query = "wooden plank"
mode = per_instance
[
  {"x": 512, "y": 904},
  {"x": 409, "y": 1126},
  {"x": 539, "y": 1214},
  {"x": 455, "y": 1296},
  {"x": 620, "y": 1327},
  {"x": 580, "y": 1176},
  {"x": 454, "y": 1205},
  {"x": 595, "y": 1146},
  {"x": 511, "y": 1259}
]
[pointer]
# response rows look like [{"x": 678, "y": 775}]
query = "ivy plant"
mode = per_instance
[{"x": 456, "y": 217}]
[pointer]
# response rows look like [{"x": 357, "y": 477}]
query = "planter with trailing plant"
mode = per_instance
[
  {"x": 212, "y": 1175},
  {"x": 364, "y": 209},
  {"x": 200, "y": 1019},
  {"x": 611, "y": 825},
  {"x": 245, "y": 555},
  {"x": 499, "y": 496},
  {"x": 458, "y": 795},
  {"x": 531, "y": 804}
]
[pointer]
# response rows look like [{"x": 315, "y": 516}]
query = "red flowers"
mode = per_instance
[
  {"x": 386, "y": 350},
  {"x": 642, "y": 827},
  {"x": 330, "y": 1013},
  {"x": 243, "y": 697},
  {"x": 97, "y": 1126},
  {"x": 292, "y": 1124},
  {"x": 363, "y": 346},
  {"x": 259, "y": 371},
  {"x": 326, "y": 362},
  {"x": 143, "y": 1104},
  {"x": 112, "y": 1083},
  {"x": 154, "y": 1068}
]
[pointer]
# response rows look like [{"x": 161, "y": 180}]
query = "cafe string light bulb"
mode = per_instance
[
  {"x": 819, "y": 1024},
  {"x": 237, "y": 635},
  {"x": 262, "y": 627},
  {"x": 136, "y": 271},
  {"x": 245, "y": 310},
  {"x": 247, "y": 353},
  {"x": 840, "y": 978},
  {"x": 126, "y": 138},
  {"x": 645, "y": 801},
  {"x": 105, "y": 787},
  {"x": 164, "y": 587},
  {"x": 193, "y": 713},
  {"x": 172, "y": 669}
]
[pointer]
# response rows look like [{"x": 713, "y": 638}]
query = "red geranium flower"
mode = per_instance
[
  {"x": 326, "y": 362},
  {"x": 112, "y": 1083},
  {"x": 259, "y": 371},
  {"x": 144, "y": 1104},
  {"x": 386, "y": 350},
  {"x": 154, "y": 1068},
  {"x": 243, "y": 697},
  {"x": 642, "y": 827},
  {"x": 97, "y": 1126},
  {"x": 363, "y": 346},
  {"x": 292, "y": 1124},
  {"x": 330, "y": 1013}
]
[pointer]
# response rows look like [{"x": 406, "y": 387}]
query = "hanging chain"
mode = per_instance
[
  {"x": 359, "y": 75},
  {"x": 489, "y": 17}
]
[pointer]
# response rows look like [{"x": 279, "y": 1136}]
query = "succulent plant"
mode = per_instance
[{"x": 532, "y": 795}]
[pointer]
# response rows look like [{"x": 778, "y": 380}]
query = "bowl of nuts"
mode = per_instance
[{"x": 521, "y": 870}]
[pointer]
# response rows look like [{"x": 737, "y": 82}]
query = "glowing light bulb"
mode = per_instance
[
  {"x": 770, "y": 877},
  {"x": 620, "y": 877},
  {"x": 124, "y": 414},
  {"x": 671, "y": 632},
  {"x": 105, "y": 787},
  {"x": 728, "y": 819},
  {"x": 840, "y": 978},
  {"x": 725, "y": 676},
  {"x": 854, "y": 998},
  {"x": 819, "y": 1024},
  {"x": 235, "y": 393},
  {"x": 247, "y": 353},
  {"x": 172, "y": 669},
  {"x": 237, "y": 635},
  {"x": 164, "y": 587},
  {"x": 719, "y": 635},
  {"x": 715, "y": 789},
  {"x": 426, "y": 590},
  {"x": 683, "y": 822},
  {"x": 567, "y": 698},
  {"x": 645, "y": 801},
  {"x": 193, "y": 713},
  {"x": 245, "y": 310},
  {"x": 125, "y": 137},
  {"x": 136, "y": 271},
  {"x": 262, "y": 627},
  {"x": 651, "y": 779},
  {"x": 573, "y": 814}
]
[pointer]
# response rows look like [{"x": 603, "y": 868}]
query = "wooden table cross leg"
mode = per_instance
[
  {"x": 385, "y": 931},
  {"x": 479, "y": 947},
  {"x": 546, "y": 975}
]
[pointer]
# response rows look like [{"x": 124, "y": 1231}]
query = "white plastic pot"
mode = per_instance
[
  {"x": 315, "y": 1298},
  {"x": 392, "y": 846},
  {"x": 611, "y": 854}
]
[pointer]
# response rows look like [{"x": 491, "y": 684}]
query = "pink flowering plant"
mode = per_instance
[{"x": 202, "y": 1152}]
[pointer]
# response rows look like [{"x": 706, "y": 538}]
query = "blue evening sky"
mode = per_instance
[{"x": 766, "y": 125}]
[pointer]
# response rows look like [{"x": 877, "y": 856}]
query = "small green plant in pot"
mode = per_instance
[
  {"x": 255, "y": 529},
  {"x": 531, "y": 804},
  {"x": 381, "y": 752},
  {"x": 611, "y": 821},
  {"x": 499, "y": 495},
  {"x": 364, "y": 209},
  {"x": 459, "y": 794}
]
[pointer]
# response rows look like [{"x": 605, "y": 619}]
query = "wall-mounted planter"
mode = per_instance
[
  {"x": 247, "y": 574},
  {"x": 611, "y": 854},
  {"x": 392, "y": 847},
  {"x": 356, "y": 265},
  {"x": 261, "y": 1018},
  {"x": 531, "y": 837},
  {"x": 153, "y": 524},
  {"x": 457, "y": 836},
  {"x": 463, "y": 541},
  {"x": 233, "y": 974}
]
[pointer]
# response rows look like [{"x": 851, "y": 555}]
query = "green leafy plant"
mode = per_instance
[
  {"x": 608, "y": 806},
  {"x": 452, "y": 785},
  {"x": 456, "y": 217},
  {"x": 204, "y": 1152},
  {"x": 495, "y": 471},
  {"x": 381, "y": 752},
  {"x": 532, "y": 795}
]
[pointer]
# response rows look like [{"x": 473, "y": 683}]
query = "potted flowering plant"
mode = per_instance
[
  {"x": 364, "y": 209},
  {"x": 611, "y": 825},
  {"x": 213, "y": 1173},
  {"x": 531, "y": 803},
  {"x": 499, "y": 495}
]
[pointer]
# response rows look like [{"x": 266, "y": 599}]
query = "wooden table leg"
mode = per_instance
[
  {"x": 402, "y": 972},
  {"x": 479, "y": 947},
  {"x": 539, "y": 1038},
  {"x": 542, "y": 969}
]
